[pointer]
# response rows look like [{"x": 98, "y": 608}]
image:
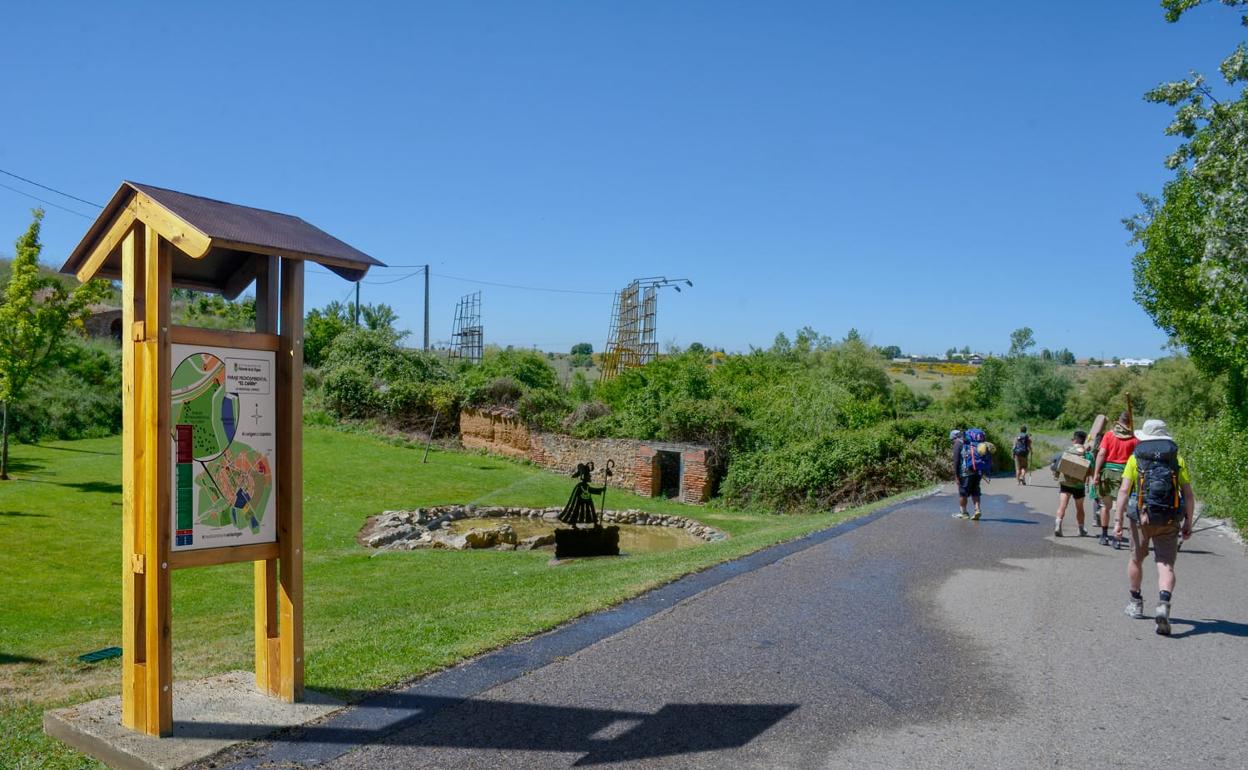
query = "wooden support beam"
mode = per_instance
[
  {"x": 133, "y": 673},
  {"x": 156, "y": 485},
  {"x": 120, "y": 229},
  {"x": 224, "y": 338},
  {"x": 233, "y": 554},
  {"x": 182, "y": 235},
  {"x": 290, "y": 481},
  {"x": 268, "y": 636}
]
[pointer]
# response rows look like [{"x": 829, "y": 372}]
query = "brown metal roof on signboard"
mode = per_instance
[{"x": 231, "y": 238}]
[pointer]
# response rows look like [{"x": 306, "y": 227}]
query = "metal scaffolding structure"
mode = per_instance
[
  {"x": 468, "y": 336},
  {"x": 631, "y": 339}
]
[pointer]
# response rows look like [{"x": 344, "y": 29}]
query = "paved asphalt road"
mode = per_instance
[{"x": 915, "y": 640}]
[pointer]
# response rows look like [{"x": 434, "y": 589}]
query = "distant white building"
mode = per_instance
[{"x": 1136, "y": 361}]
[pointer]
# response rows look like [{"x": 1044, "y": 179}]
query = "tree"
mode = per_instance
[
  {"x": 950, "y": 353},
  {"x": 966, "y": 350},
  {"x": 1020, "y": 341},
  {"x": 1035, "y": 389},
  {"x": 1046, "y": 354},
  {"x": 380, "y": 317},
  {"x": 1064, "y": 356},
  {"x": 890, "y": 352},
  {"x": 322, "y": 327},
  {"x": 36, "y": 314},
  {"x": 1191, "y": 273},
  {"x": 583, "y": 348}
]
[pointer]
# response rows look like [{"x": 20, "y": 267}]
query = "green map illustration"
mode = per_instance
[{"x": 222, "y": 482}]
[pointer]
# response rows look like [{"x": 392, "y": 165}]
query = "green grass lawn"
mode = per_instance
[{"x": 370, "y": 621}]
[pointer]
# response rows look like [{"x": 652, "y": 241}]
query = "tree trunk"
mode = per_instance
[{"x": 4, "y": 448}]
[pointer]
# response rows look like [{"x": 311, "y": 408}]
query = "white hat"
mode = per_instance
[{"x": 1153, "y": 429}]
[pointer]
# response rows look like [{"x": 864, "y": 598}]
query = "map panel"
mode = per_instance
[{"x": 224, "y": 440}]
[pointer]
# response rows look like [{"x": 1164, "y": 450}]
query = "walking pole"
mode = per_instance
[
  {"x": 425, "y": 459},
  {"x": 606, "y": 475}
]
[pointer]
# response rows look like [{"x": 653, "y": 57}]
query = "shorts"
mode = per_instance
[
  {"x": 1020, "y": 459},
  {"x": 1075, "y": 492},
  {"x": 1111, "y": 480},
  {"x": 1165, "y": 539},
  {"x": 968, "y": 486}
]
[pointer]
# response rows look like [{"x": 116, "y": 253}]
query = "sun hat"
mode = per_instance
[
  {"x": 955, "y": 434},
  {"x": 1153, "y": 429}
]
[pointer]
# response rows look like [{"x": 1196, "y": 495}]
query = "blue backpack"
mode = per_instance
[{"x": 974, "y": 463}]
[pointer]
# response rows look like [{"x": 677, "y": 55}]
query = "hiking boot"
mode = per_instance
[
  {"x": 1135, "y": 609},
  {"x": 976, "y": 516},
  {"x": 1104, "y": 540},
  {"x": 1162, "y": 616}
]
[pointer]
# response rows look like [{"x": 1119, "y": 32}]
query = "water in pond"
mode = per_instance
[{"x": 633, "y": 539}]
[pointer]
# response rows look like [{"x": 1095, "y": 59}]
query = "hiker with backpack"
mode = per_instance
[
  {"x": 1161, "y": 513},
  {"x": 972, "y": 461},
  {"x": 1070, "y": 468},
  {"x": 1022, "y": 452},
  {"x": 1111, "y": 459}
]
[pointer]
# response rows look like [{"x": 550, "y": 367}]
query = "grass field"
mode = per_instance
[{"x": 370, "y": 621}]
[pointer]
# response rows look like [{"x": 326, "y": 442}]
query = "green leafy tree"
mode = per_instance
[
  {"x": 890, "y": 352},
  {"x": 1191, "y": 273},
  {"x": 36, "y": 315},
  {"x": 212, "y": 311},
  {"x": 585, "y": 349},
  {"x": 320, "y": 328},
  {"x": 1021, "y": 340},
  {"x": 1064, "y": 356},
  {"x": 380, "y": 317}
]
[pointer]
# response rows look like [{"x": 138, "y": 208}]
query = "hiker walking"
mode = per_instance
[
  {"x": 1111, "y": 458},
  {"x": 1022, "y": 452},
  {"x": 1070, "y": 468},
  {"x": 972, "y": 460},
  {"x": 1161, "y": 513}
]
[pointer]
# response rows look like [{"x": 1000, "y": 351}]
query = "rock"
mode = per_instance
[
  {"x": 536, "y": 541},
  {"x": 505, "y": 547},
  {"x": 382, "y": 537},
  {"x": 491, "y": 536}
]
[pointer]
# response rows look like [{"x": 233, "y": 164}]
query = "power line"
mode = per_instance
[
  {"x": 46, "y": 202},
  {"x": 524, "y": 288},
  {"x": 50, "y": 189}
]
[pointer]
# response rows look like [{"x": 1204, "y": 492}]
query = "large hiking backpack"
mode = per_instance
[
  {"x": 1157, "y": 490},
  {"x": 1022, "y": 444},
  {"x": 976, "y": 460}
]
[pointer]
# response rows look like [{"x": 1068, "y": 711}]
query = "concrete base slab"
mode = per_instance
[{"x": 209, "y": 715}]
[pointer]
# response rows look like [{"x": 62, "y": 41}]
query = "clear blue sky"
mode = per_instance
[{"x": 934, "y": 174}]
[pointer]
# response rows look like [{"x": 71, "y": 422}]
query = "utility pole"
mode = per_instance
[
  {"x": 426, "y": 308},
  {"x": 357, "y": 304}
]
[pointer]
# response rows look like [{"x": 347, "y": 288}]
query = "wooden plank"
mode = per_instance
[
  {"x": 242, "y": 277},
  {"x": 288, "y": 254},
  {"x": 157, "y": 470},
  {"x": 268, "y": 639},
  {"x": 208, "y": 557},
  {"x": 117, "y": 232},
  {"x": 189, "y": 335},
  {"x": 173, "y": 228},
  {"x": 267, "y": 632},
  {"x": 132, "y": 671},
  {"x": 267, "y": 284},
  {"x": 290, "y": 480}
]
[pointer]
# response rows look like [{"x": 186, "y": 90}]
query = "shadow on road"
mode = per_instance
[
  {"x": 1199, "y": 627},
  {"x": 601, "y": 735},
  {"x": 1003, "y": 520}
]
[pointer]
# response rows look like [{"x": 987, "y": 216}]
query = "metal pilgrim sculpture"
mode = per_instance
[{"x": 597, "y": 540}]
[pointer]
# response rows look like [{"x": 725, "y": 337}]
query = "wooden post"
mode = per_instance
[
  {"x": 157, "y": 449},
  {"x": 133, "y": 646},
  {"x": 268, "y": 639},
  {"x": 290, "y": 480}
]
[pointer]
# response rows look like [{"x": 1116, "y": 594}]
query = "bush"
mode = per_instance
[
  {"x": 1035, "y": 389},
  {"x": 79, "y": 398},
  {"x": 844, "y": 468},
  {"x": 1216, "y": 453}
]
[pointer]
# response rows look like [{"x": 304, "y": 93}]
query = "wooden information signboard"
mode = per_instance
[{"x": 212, "y": 467}]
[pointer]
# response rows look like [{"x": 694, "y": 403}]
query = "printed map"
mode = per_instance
[{"x": 223, "y": 440}]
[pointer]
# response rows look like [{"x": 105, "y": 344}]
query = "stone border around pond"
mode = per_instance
[{"x": 427, "y": 527}]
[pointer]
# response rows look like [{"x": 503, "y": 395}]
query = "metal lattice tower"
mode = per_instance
[
  {"x": 632, "y": 338},
  {"x": 468, "y": 336}
]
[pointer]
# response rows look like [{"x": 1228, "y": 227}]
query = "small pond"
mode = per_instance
[{"x": 633, "y": 538}]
